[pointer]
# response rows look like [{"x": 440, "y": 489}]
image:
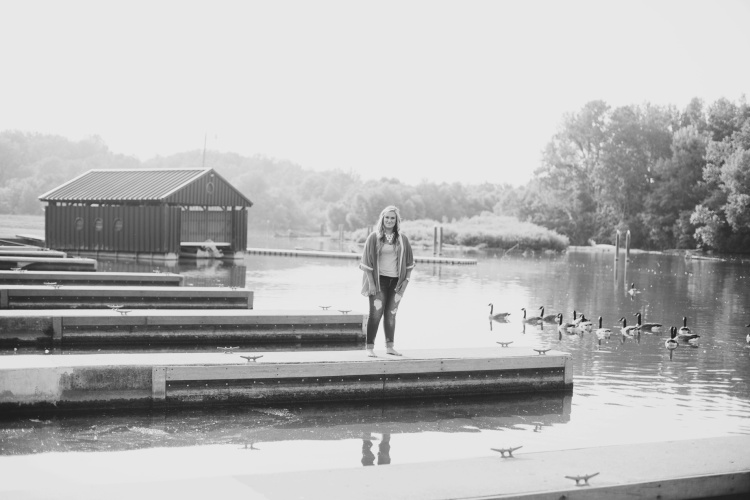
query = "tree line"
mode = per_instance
[{"x": 674, "y": 178}]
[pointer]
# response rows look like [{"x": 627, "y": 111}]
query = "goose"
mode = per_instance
[
  {"x": 646, "y": 327},
  {"x": 550, "y": 318},
  {"x": 498, "y": 316},
  {"x": 627, "y": 331},
  {"x": 671, "y": 343},
  {"x": 602, "y": 333},
  {"x": 567, "y": 328},
  {"x": 533, "y": 320},
  {"x": 684, "y": 332},
  {"x": 585, "y": 324}
]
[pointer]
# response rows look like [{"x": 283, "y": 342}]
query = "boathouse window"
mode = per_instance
[
  {"x": 118, "y": 225},
  {"x": 98, "y": 224},
  {"x": 79, "y": 224},
  {"x": 210, "y": 188}
]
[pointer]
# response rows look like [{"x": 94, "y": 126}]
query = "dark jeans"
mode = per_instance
[{"x": 388, "y": 304}]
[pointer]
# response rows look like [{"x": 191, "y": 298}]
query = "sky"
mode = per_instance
[{"x": 446, "y": 91}]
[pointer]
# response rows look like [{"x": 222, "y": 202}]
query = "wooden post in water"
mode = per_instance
[
  {"x": 627, "y": 246},
  {"x": 440, "y": 239},
  {"x": 434, "y": 240},
  {"x": 617, "y": 246}
]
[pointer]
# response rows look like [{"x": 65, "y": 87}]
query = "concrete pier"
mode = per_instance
[
  {"x": 32, "y": 383},
  {"x": 109, "y": 329},
  {"x": 53, "y": 295}
]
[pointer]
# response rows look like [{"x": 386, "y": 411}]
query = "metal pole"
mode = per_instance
[
  {"x": 440, "y": 239},
  {"x": 434, "y": 240}
]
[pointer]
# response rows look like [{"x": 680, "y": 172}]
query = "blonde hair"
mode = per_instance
[{"x": 380, "y": 226}]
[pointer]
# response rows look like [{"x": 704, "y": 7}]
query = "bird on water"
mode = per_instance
[
  {"x": 532, "y": 320},
  {"x": 646, "y": 327},
  {"x": 499, "y": 316},
  {"x": 671, "y": 343},
  {"x": 627, "y": 331},
  {"x": 550, "y": 318},
  {"x": 601, "y": 332},
  {"x": 684, "y": 333}
]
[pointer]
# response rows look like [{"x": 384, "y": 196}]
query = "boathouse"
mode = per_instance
[{"x": 155, "y": 214}]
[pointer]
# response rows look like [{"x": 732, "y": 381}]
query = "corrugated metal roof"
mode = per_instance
[{"x": 115, "y": 186}]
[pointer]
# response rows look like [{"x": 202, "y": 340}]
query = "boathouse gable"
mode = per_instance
[{"x": 145, "y": 212}]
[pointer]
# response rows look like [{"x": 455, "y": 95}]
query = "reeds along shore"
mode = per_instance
[{"x": 483, "y": 231}]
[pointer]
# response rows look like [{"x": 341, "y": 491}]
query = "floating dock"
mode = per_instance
[
  {"x": 53, "y": 295},
  {"x": 31, "y": 252},
  {"x": 110, "y": 329},
  {"x": 351, "y": 256},
  {"x": 713, "y": 467},
  {"x": 65, "y": 278},
  {"x": 47, "y": 263},
  {"x": 30, "y": 383}
]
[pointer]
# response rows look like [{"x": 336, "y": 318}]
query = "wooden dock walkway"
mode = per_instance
[
  {"x": 47, "y": 263},
  {"x": 31, "y": 252},
  {"x": 713, "y": 467},
  {"x": 120, "y": 381},
  {"x": 23, "y": 277},
  {"x": 110, "y": 329},
  {"x": 53, "y": 295},
  {"x": 351, "y": 256}
]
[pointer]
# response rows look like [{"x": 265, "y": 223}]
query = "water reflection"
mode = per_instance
[
  {"x": 105, "y": 431},
  {"x": 384, "y": 449},
  {"x": 699, "y": 389}
]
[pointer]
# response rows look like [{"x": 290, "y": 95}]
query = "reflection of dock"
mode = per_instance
[
  {"x": 350, "y": 255},
  {"x": 38, "y": 383},
  {"x": 319, "y": 422}
]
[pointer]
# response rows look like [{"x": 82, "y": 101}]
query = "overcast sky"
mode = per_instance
[{"x": 464, "y": 90}]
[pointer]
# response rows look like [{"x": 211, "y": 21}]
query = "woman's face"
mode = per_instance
[{"x": 389, "y": 220}]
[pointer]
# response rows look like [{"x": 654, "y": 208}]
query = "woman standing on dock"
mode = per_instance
[{"x": 387, "y": 262}]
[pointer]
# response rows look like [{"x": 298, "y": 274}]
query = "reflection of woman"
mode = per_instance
[
  {"x": 387, "y": 262},
  {"x": 384, "y": 450}
]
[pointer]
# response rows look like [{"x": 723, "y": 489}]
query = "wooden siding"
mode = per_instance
[{"x": 147, "y": 229}]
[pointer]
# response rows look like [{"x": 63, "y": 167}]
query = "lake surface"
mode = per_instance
[{"x": 626, "y": 390}]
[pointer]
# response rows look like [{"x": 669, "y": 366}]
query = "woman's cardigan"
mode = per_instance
[{"x": 369, "y": 262}]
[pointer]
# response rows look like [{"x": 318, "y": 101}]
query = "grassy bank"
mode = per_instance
[{"x": 484, "y": 231}]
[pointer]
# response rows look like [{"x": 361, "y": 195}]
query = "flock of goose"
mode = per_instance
[{"x": 580, "y": 325}]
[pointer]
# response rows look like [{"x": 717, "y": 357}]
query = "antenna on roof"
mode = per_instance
[{"x": 205, "y": 136}]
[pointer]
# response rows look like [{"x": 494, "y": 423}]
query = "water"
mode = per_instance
[{"x": 625, "y": 390}]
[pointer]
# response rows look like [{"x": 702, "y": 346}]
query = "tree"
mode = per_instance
[{"x": 677, "y": 189}]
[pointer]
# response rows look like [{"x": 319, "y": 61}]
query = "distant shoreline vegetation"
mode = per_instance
[{"x": 483, "y": 231}]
